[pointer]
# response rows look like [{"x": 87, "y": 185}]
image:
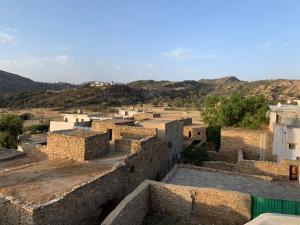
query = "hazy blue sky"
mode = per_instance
[{"x": 77, "y": 40}]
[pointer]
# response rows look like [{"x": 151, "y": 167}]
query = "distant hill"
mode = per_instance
[
  {"x": 12, "y": 83},
  {"x": 20, "y": 92}
]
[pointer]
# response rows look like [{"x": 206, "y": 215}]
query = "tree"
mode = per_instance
[
  {"x": 235, "y": 110},
  {"x": 10, "y": 127}
]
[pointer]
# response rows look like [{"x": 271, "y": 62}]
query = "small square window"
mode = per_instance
[
  {"x": 198, "y": 133},
  {"x": 292, "y": 146}
]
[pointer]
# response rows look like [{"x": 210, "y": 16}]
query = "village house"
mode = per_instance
[{"x": 80, "y": 175}]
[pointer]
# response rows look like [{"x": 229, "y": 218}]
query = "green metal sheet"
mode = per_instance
[{"x": 263, "y": 205}]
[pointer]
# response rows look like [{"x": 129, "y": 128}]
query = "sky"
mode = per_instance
[{"x": 103, "y": 40}]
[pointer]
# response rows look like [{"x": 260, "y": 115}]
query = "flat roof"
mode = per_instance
[
  {"x": 40, "y": 182},
  {"x": 76, "y": 133},
  {"x": 9, "y": 154},
  {"x": 275, "y": 219},
  {"x": 196, "y": 125},
  {"x": 205, "y": 177},
  {"x": 275, "y": 108}
]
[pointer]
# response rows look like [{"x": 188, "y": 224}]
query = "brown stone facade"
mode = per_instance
[
  {"x": 256, "y": 144},
  {"x": 80, "y": 148},
  {"x": 194, "y": 132},
  {"x": 276, "y": 171},
  {"x": 117, "y": 131},
  {"x": 86, "y": 204},
  {"x": 145, "y": 116},
  {"x": 203, "y": 205}
]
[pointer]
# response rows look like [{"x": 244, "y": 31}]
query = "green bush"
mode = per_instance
[
  {"x": 10, "y": 128},
  {"x": 34, "y": 129},
  {"x": 195, "y": 154},
  {"x": 26, "y": 116},
  {"x": 235, "y": 110},
  {"x": 213, "y": 134}
]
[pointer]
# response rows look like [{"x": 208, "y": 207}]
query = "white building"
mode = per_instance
[
  {"x": 285, "y": 125},
  {"x": 286, "y": 142}
]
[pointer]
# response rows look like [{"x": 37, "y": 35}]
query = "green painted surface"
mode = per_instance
[{"x": 263, "y": 205}]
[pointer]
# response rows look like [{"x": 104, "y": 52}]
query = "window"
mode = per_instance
[
  {"x": 190, "y": 134},
  {"x": 82, "y": 120},
  {"x": 109, "y": 134},
  {"x": 132, "y": 169},
  {"x": 66, "y": 119},
  {"x": 77, "y": 120},
  {"x": 292, "y": 146},
  {"x": 277, "y": 118},
  {"x": 198, "y": 133}
]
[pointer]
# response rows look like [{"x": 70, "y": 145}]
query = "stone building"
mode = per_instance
[
  {"x": 170, "y": 131},
  {"x": 84, "y": 177},
  {"x": 194, "y": 132},
  {"x": 198, "y": 195}
]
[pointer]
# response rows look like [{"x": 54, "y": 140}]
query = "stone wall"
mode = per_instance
[
  {"x": 192, "y": 132},
  {"x": 60, "y": 146},
  {"x": 133, "y": 209},
  {"x": 127, "y": 145},
  {"x": 145, "y": 116},
  {"x": 11, "y": 213},
  {"x": 119, "y": 131},
  {"x": 90, "y": 202},
  {"x": 205, "y": 205},
  {"x": 277, "y": 171},
  {"x": 201, "y": 205},
  {"x": 256, "y": 144}
]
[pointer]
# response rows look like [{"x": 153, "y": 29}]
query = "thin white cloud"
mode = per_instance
[
  {"x": 178, "y": 54},
  {"x": 266, "y": 46},
  {"x": 7, "y": 38},
  {"x": 181, "y": 54}
]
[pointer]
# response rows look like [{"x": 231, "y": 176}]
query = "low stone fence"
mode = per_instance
[
  {"x": 276, "y": 171},
  {"x": 205, "y": 205}
]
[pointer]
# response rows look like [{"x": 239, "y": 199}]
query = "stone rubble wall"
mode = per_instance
[
  {"x": 145, "y": 116},
  {"x": 96, "y": 146},
  {"x": 251, "y": 142},
  {"x": 277, "y": 171},
  {"x": 86, "y": 204},
  {"x": 133, "y": 209},
  {"x": 205, "y": 205},
  {"x": 60, "y": 146},
  {"x": 34, "y": 151},
  {"x": 12, "y": 213},
  {"x": 126, "y": 131},
  {"x": 127, "y": 145},
  {"x": 202, "y": 205},
  {"x": 194, "y": 132}
]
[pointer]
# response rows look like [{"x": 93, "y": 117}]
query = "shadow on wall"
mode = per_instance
[
  {"x": 251, "y": 146},
  {"x": 184, "y": 205}
]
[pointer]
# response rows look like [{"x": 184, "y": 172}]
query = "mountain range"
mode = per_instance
[{"x": 20, "y": 92}]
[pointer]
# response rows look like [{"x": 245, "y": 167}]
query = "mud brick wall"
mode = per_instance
[
  {"x": 60, "y": 146},
  {"x": 208, "y": 205},
  {"x": 251, "y": 142}
]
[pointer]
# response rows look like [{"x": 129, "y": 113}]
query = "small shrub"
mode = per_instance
[{"x": 195, "y": 154}]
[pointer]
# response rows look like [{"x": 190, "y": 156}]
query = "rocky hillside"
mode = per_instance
[
  {"x": 20, "y": 92},
  {"x": 274, "y": 90},
  {"x": 12, "y": 83}
]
